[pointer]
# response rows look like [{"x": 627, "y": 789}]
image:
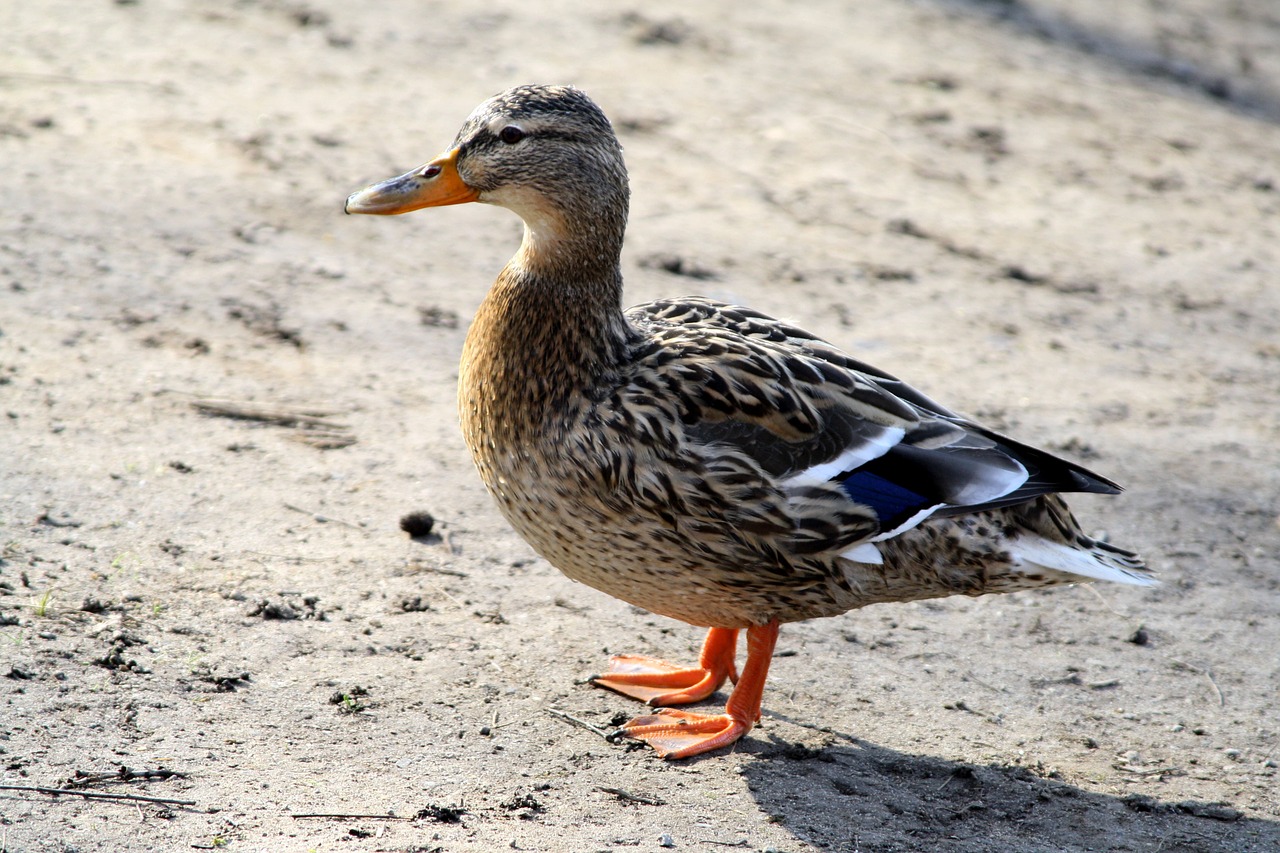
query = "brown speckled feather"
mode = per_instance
[{"x": 663, "y": 481}]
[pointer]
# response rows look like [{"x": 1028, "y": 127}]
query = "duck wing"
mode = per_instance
[{"x": 843, "y": 439}]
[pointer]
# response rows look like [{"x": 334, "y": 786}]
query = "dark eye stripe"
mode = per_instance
[{"x": 538, "y": 134}]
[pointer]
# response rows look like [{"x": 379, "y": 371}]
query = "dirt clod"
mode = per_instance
[
  {"x": 441, "y": 814},
  {"x": 418, "y": 524}
]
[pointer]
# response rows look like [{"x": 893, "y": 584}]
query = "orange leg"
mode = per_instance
[
  {"x": 660, "y": 683},
  {"x": 680, "y": 734}
]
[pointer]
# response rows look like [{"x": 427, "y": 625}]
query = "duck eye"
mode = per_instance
[{"x": 511, "y": 134}]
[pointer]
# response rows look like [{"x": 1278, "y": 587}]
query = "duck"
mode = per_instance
[{"x": 705, "y": 461}]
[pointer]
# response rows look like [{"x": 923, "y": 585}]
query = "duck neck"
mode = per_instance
[{"x": 549, "y": 331}]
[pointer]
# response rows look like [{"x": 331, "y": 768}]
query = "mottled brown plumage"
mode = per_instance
[{"x": 704, "y": 461}]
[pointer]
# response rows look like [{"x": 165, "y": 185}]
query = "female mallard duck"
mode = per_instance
[{"x": 704, "y": 461}]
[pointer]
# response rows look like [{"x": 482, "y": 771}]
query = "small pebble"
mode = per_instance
[{"x": 665, "y": 840}]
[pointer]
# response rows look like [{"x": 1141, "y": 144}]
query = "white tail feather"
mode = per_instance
[{"x": 1041, "y": 552}]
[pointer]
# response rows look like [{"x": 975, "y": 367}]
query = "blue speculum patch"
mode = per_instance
[{"x": 892, "y": 503}]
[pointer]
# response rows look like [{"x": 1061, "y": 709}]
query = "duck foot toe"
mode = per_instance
[
  {"x": 657, "y": 681},
  {"x": 681, "y": 734}
]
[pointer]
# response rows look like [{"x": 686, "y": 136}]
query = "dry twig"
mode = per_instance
[
  {"x": 628, "y": 797},
  {"x": 319, "y": 815},
  {"x": 85, "y": 778},
  {"x": 312, "y": 425},
  {"x": 1150, "y": 771},
  {"x": 321, "y": 517},
  {"x": 270, "y": 413},
  {"x": 561, "y": 715},
  {"x": 1207, "y": 673},
  {"x": 97, "y": 795}
]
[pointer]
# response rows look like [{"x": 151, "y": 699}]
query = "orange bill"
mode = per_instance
[{"x": 433, "y": 185}]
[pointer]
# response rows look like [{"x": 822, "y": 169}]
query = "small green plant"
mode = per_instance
[
  {"x": 348, "y": 701},
  {"x": 125, "y": 559},
  {"x": 41, "y": 608}
]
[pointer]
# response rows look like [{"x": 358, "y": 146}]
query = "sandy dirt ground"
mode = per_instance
[{"x": 220, "y": 396}]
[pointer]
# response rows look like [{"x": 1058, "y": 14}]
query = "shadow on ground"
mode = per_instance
[
  {"x": 855, "y": 796},
  {"x": 1233, "y": 84}
]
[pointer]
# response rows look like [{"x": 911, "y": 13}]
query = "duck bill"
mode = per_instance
[{"x": 433, "y": 185}]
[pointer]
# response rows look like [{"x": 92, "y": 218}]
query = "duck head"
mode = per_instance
[{"x": 548, "y": 153}]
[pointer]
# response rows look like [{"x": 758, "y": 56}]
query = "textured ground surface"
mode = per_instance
[{"x": 1052, "y": 215}]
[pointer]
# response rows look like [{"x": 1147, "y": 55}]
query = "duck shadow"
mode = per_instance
[{"x": 855, "y": 796}]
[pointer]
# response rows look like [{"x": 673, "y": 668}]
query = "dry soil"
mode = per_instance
[{"x": 220, "y": 396}]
